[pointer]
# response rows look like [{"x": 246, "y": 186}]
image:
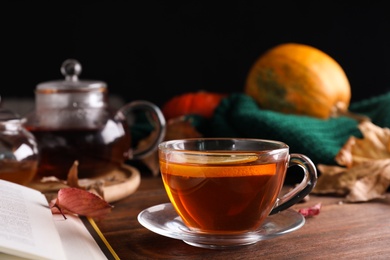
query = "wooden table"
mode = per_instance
[{"x": 340, "y": 231}]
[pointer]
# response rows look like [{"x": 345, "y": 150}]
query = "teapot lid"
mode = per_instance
[{"x": 71, "y": 69}]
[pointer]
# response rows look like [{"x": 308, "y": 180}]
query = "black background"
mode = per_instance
[{"x": 153, "y": 50}]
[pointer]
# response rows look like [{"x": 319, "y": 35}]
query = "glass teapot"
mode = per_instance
[
  {"x": 18, "y": 149},
  {"x": 73, "y": 121}
]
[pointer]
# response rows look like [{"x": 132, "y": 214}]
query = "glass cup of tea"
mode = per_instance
[{"x": 229, "y": 186}]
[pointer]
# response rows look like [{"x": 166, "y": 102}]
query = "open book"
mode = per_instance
[{"x": 28, "y": 229}]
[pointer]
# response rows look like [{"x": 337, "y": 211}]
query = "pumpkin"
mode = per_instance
[
  {"x": 299, "y": 79},
  {"x": 201, "y": 103}
]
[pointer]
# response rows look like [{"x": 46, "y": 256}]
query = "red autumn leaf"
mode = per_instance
[
  {"x": 311, "y": 211},
  {"x": 81, "y": 202}
]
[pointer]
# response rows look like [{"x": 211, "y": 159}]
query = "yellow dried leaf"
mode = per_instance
[
  {"x": 333, "y": 180},
  {"x": 362, "y": 182},
  {"x": 373, "y": 184},
  {"x": 375, "y": 145}
]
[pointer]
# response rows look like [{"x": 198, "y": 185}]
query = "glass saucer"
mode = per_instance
[{"x": 163, "y": 219}]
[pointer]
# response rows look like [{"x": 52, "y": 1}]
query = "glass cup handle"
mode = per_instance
[
  {"x": 302, "y": 189},
  {"x": 156, "y": 118}
]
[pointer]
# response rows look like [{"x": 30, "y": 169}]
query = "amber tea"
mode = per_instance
[
  {"x": 223, "y": 197},
  {"x": 18, "y": 172}
]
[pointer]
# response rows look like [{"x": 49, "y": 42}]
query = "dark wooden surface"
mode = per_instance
[{"x": 340, "y": 231}]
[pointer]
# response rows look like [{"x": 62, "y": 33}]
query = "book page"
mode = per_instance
[
  {"x": 26, "y": 224},
  {"x": 77, "y": 241}
]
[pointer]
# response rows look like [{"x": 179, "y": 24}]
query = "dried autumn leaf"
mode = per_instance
[
  {"x": 366, "y": 172},
  {"x": 81, "y": 202},
  {"x": 73, "y": 181},
  {"x": 375, "y": 145},
  {"x": 334, "y": 180},
  {"x": 374, "y": 184},
  {"x": 54, "y": 183},
  {"x": 363, "y": 182},
  {"x": 73, "y": 178}
]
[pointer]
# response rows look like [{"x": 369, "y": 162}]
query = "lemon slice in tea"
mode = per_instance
[{"x": 214, "y": 158}]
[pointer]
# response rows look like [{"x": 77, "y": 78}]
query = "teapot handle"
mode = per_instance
[{"x": 156, "y": 118}]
